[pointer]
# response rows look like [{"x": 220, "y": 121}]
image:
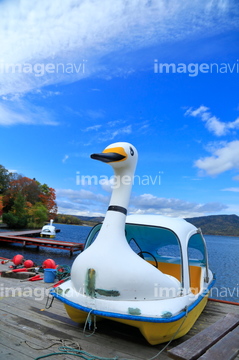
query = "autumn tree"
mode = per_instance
[
  {"x": 17, "y": 218},
  {"x": 33, "y": 192},
  {"x": 38, "y": 215},
  {"x": 36, "y": 201},
  {"x": 29, "y": 188},
  {"x": 48, "y": 198},
  {"x": 4, "y": 179}
]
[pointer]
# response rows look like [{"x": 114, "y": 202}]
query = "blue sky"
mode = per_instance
[{"x": 76, "y": 76}]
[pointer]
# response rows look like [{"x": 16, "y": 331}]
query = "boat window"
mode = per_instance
[
  {"x": 197, "y": 250},
  {"x": 174, "y": 250},
  {"x": 155, "y": 243},
  {"x": 92, "y": 235},
  {"x": 159, "y": 243},
  {"x": 134, "y": 246}
]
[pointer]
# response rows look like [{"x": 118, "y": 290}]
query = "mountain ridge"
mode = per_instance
[{"x": 225, "y": 225}]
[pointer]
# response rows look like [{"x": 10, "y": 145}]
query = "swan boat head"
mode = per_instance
[{"x": 109, "y": 268}]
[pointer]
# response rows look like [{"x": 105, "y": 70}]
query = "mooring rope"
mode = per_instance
[
  {"x": 88, "y": 321},
  {"x": 173, "y": 337},
  {"x": 66, "y": 350}
]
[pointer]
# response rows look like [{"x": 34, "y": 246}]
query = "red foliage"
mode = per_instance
[
  {"x": 33, "y": 192},
  {"x": 48, "y": 199}
]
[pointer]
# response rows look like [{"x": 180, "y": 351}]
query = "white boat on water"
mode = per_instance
[
  {"x": 48, "y": 230},
  {"x": 147, "y": 271}
]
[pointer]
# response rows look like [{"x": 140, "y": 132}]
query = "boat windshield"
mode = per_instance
[
  {"x": 159, "y": 246},
  {"x": 162, "y": 243},
  {"x": 151, "y": 242},
  {"x": 197, "y": 252}
]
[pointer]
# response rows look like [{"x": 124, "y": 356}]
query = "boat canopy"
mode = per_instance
[{"x": 162, "y": 239}]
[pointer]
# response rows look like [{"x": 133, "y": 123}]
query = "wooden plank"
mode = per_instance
[
  {"x": 22, "y": 232},
  {"x": 225, "y": 349},
  {"x": 23, "y": 318},
  {"x": 196, "y": 346},
  {"x": 31, "y": 330},
  {"x": 29, "y": 350},
  {"x": 24, "y": 315},
  {"x": 9, "y": 354},
  {"x": 14, "y": 237}
]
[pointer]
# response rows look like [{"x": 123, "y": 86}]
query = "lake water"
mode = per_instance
[{"x": 223, "y": 257}]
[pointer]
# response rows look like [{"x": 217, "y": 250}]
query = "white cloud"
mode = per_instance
[
  {"x": 83, "y": 201},
  {"x": 107, "y": 132},
  {"x": 85, "y": 33},
  {"x": 22, "y": 112},
  {"x": 93, "y": 128},
  {"x": 66, "y": 157},
  {"x": 110, "y": 134},
  {"x": 151, "y": 204},
  {"x": 81, "y": 196},
  {"x": 223, "y": 159},
  {"x": 95, "y": 114},
  {"x": 213, "y": 124},
  {"x": 13, "y": 171},
  {"x": 233, "y": 189}
]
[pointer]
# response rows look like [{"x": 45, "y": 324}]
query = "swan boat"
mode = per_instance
[
  {"x": 48, "y": 230},
  {"x": 147, "y": 271}
]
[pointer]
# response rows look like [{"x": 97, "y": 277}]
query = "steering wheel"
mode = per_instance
[{"x": 146, "y": 252}]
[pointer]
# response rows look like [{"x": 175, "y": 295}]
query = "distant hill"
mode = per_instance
[
  {"x": 89, "y": 218},
  {"x": 227, "y": 225}
]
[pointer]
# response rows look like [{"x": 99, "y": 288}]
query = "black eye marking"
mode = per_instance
[{"x": 131, "y": 151}]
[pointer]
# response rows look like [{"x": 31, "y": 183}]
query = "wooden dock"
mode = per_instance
[
  {"x": 25, "y": 238},
  {"x": 29, "y": 330}
]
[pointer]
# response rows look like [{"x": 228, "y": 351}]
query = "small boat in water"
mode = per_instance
[
  {"x": 147, "y": 271},
  {"x": 48, "y": 230}
]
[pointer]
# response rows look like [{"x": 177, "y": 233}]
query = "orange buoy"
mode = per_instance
[
  {"x": 49, "y": 264},
  {"x": 28, "y": 263},
  {"x": 18, "y": 259}
]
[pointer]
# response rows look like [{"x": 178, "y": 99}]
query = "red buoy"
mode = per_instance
[
  {"x": 18, "y": 259},
  {"x": 28, "y": 263},
  {"x": 49, "y": 264}
]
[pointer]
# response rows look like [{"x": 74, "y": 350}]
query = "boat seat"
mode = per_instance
[
  {"x": 175, "y": 270},
  {"x": 195, "y": 278},
  {"x": 169, "y": 269}
]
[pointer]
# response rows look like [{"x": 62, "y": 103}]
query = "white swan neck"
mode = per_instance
[{"x": 123, "y": 181}]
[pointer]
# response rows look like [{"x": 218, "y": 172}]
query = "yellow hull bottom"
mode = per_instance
[{"x": 154, "y": 333}]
